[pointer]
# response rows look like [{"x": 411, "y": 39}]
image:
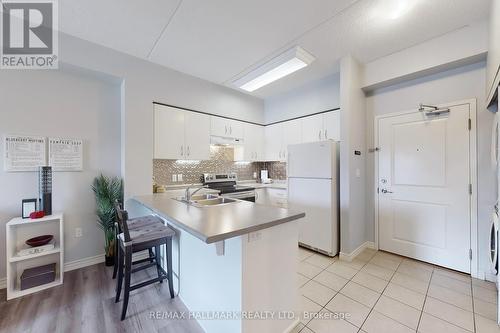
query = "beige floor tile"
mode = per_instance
[
  {"x": 389, "y": 256},
  {"x": 453, "y": 274},
  {"x": 308, "y": 270},
  {"x": 449, "y": 313},
  {"x": 456, "y": 285},
  {"x": 318, "y": 293},
  {"x": 418, "y": 264},
  {"x": 320, "y": 260},
  {"x": 415, "y": 272},
  {"x": 304, "y": 253},
  {"x": 409, "y": 282},
  {"x": 398, "y": 311},
  {"x": 307, "y": 309},
  {"x": 327, "y": 324},
  {"x": 484, "y": 284},
  {"x": 355, "y": 263},
  {"x": 366, "y": 254},
  {"x": 331, "y": 280},
  {"x": 378, "y": 271},
  {"x": 405, "y": 295},
  {"x": 306, "y": 330},
  {"x": 356, "y": 312},
  {"x": 378, "y": 323},
  {"x": 485, "y": 309},
  {"x": 485, "y": 294},
  {"x": 431, "y": 324},
  {"x": 450, "y": 296},
  {"x": 370, "y": 281},
  {"x": 485, "y": 325},
  {"x": 385, "y": 262},
  {"x": 361, "y": 294},
  {"x": 301, "y": 280},
  {"x": 342, "y": 270}
]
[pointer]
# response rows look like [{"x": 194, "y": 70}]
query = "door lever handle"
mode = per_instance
[{"x": 386, "y": 191}]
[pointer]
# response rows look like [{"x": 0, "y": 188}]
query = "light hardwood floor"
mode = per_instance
[{"x": 85, "y": 303}]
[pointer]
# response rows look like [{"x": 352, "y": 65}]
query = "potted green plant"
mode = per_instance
[{"x": 107, "y": 190}]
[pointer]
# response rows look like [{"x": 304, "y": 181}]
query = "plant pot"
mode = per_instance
[{"x": 109, "y": 261}]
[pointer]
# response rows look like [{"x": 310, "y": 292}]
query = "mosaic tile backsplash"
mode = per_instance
[{"x": 221, "y": 160}]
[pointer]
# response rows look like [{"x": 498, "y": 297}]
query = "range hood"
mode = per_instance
[{"x": 225, "y": 141}]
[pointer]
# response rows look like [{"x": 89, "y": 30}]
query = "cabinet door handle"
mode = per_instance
[
  {"x": 182, "y": 151},
  {"x": 319, "y": 134},
  {"x": 225, "y": 129},
  {"x": 230, "y": 129},
  {"x": 188, "y": 151},
  {"x": 326, "y": 136}
]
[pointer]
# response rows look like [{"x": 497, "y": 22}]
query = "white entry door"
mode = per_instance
[{"x": 424, "y": 209}]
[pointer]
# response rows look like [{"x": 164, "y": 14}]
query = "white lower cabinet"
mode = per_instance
[
  {"x": 179, "y": 134},
  {"x": 276, "y": 197}
]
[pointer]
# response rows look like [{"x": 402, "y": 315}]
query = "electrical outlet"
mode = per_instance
[
  {"x": 179, "y": 177},
  {"x": 174, "y": 178},
  {"x": 78, "y": 232}
]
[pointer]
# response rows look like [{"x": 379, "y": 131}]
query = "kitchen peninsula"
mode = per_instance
[{"x": 235, "y": 260}]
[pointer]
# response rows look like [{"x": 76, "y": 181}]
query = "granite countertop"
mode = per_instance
[{"x": 216, "y": 223}]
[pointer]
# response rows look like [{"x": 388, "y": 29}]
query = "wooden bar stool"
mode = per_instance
[{"x": 148, "y": 232}]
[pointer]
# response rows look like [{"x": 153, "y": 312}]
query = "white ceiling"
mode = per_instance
[{"x": 219, "y": 40}]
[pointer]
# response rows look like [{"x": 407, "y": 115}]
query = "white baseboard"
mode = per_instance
[{"x": 354, "y": 254}]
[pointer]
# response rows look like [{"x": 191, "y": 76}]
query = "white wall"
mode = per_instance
[
  {"x": 454, "y": 49},
  {"x": 314, "y": 97},
  {"x": 453, "y": 85},
  {"x": 143, "y": 83},
  {"x": 352, "y": 167},
  {"x": 57, "y": 103}
]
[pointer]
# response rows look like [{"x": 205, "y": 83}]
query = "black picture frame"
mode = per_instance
[{"x": 28, "y": 207}]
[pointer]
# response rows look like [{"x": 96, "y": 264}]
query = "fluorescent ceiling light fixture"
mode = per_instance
[
  {"x": 392, "y": 9},
  {"x": 275, "y": 69}
]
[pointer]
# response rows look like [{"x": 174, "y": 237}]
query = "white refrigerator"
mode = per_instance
[{"x": 313, "y": 186}]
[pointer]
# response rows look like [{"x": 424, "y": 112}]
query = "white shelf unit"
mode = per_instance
[{"x": 18, "y": 230}]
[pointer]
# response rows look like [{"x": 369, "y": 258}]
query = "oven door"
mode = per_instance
[{"x": 247, "y": 195}]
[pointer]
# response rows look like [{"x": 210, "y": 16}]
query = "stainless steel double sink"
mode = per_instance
[{"x": 206, "y": 200}]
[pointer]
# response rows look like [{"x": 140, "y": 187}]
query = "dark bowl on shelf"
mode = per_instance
[{"x": 39, "y": 240}]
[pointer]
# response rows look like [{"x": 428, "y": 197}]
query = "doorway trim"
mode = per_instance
[{"x": 474, "y": 262}]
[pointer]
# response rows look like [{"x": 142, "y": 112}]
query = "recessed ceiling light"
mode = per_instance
[
  {"x": 392, "y": 9},
  {"x": 275, "y": 69}
]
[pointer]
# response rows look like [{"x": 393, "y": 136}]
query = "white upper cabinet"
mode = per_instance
[
  {"x": 312, "y": 128},
  {"x": 168, "y": 132},
  {"x": 325, "y": 126},
  {"x": 179, "y": 134},
  {"x": 292, "y": 134},
  {"x": 226, "y": 127},
  {"x": 253, "y": 142},
  {"x": 493, "y": 65},
  {"x": 197, "y": 136},
  {"x": 274, "y": 142},
  {"x": 332, "y": 125}
]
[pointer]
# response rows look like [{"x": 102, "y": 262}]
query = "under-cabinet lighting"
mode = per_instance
[
  {"x": 279, "y": 67},
  {"x": 187, "y": 162},
  {"x": 242, "y": 162}
]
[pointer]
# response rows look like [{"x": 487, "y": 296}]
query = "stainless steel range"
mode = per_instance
[{"x": 226, "y": 184}]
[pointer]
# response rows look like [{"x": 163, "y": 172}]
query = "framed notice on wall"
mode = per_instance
[
  {"x": 66, "y": 154},
  {"x": 24, "y": 153}
]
